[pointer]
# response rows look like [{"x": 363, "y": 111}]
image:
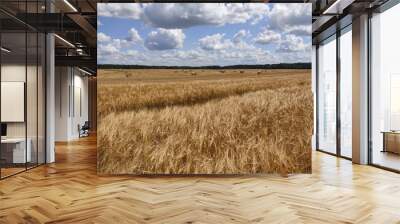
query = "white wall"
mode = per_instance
[
  {"x": 33, "y": 126},
  {"x": 62, "y": 81},
  {"x": 69, "y": 82},
  {"x": 9, "y": 73},
  {"x": 80, "y": 84},
  {"x": 15, "y": 73}
]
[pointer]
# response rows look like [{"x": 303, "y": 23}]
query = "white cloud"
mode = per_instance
[
  {"x": 216, "y": 49},
  {"x": 189, "y": 55},
  {"x": 102, "y": 37},
  {"x": 108, "y": 49},
  {"x": 163, "y": 39},
  {"x": 183, "y": 55},
  {"x": 215, "y": 42},
  {"x": 267, "y": 37},
  {"x": 246, "y": 12},
  {"x": 134, "y": 36},
  {"x": 293, "y": 43},
  {"x": 244, "y": 54},
  {"x": 132, "y": 53},
  {"x": 110, "y": 46},
  {"x": 120, "y": 10},
  {"x": 238, "y": 37},
  {"x": 291, "y": 18},
  {"x": 301, "y": 30},
  {"x": 178, "y": 15},
  {"x": 119, "y": 51},
  {"x": 118, "y": 43}
]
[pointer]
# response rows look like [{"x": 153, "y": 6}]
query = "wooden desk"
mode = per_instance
[
  {"x": 13, "y": 150},
  {"x": 391, "y": 141}
]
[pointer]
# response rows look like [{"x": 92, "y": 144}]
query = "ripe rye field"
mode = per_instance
[{"x": 165, "y": 121}]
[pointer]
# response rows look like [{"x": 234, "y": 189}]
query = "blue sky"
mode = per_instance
[{"x": 203, "y": 34}]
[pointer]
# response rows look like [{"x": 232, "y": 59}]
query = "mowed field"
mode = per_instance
[{"x": 166, "y": 121}]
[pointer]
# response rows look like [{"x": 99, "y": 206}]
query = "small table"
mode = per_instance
[
  {"x": 391, "y": 141},
  {"x": 13, "y": 150}
]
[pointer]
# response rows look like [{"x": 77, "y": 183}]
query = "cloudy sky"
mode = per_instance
[{"x": 203, "y": 34}]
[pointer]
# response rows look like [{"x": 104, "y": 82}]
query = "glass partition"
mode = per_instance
[
  {"x": 346, "y": 93},
  {"x": 385, "y": 89},
  {"x": 13, "y": 109},
  {"x": 22, "y": 77},
  {"x": 327, "y": 96}
]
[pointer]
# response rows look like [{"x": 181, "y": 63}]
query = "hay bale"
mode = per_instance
[
  {"x": 193, "y": 73},
  {"x": 241, "y": 72},
  {"x": 259, "y": 73}
]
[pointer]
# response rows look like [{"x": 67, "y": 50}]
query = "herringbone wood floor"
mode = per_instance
[{"x": 69, "y": 191}]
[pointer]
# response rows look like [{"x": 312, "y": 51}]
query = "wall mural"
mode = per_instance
[{"x": 204, "y": 88}]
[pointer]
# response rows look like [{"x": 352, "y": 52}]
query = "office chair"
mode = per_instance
[{"x": 84, "y": 130}]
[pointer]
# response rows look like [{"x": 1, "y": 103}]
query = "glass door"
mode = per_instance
[{"x": 327, "y": 96}]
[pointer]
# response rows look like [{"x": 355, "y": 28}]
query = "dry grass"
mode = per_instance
[
  {"x": 231, "y": 126},
  {"x": 144, "y": 95}
]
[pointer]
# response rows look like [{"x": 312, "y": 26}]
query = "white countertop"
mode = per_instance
[{"x": 13, "y": 140}]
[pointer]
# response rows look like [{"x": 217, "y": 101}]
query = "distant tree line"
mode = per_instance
[{"x": 265, "y": 66}]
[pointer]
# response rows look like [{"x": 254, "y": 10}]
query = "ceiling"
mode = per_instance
[
  {"x": 330, "y": 15},
  {"x": 74, "y": 22}
]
